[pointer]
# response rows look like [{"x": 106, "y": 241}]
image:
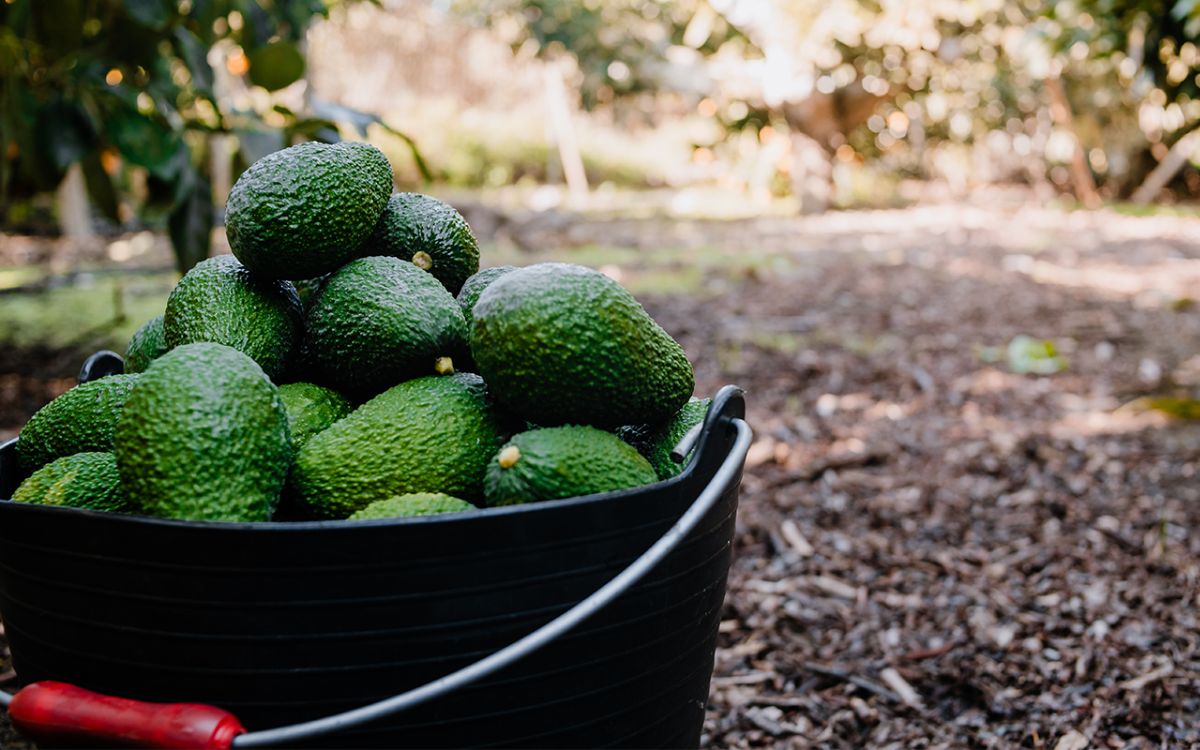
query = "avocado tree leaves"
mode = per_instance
[
  {"x": 195, "y": 56},
  {"x": 64, "y": 134},
  {"x": 145, "y": 141}
]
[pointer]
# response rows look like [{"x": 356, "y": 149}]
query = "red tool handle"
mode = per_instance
[{"x": 55, "y": 712}]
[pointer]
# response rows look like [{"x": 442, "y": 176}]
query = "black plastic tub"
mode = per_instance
[{"x": 287, "y": 622}]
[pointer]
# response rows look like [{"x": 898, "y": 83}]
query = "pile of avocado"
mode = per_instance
[{"x": 351, "y": 361}]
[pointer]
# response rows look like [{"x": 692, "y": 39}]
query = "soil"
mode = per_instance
[{"x": 934, "y": 549}]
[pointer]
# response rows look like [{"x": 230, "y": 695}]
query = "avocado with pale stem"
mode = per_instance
[
  {"x": 558, "y": 462},
  {"x": 429, "y": 233},
  {"x": 379, "y": 321}
]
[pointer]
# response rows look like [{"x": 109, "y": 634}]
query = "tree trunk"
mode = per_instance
[
  {"x": 563, "y": 127},
  {"x": 1184, "y": 149},
  {"x": 74, "y": 212},
  {"x": 1081, "y": 174},
  {"x": 812, "y": 174}
]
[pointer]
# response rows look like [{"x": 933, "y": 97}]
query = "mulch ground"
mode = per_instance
[{"x": 935, "y": 551}]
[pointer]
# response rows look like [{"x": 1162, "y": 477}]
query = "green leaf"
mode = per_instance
[
  {"x": 314, "y": 129},
  {"x": 276, "y": 65},
  {"x": 195, "y": 56},
  {"x": 153, "y": 14},
  {"x": 190, "y": 224},
  {"x": 64, "y": 134},
  {"x": 145, "y": 141},
  {"x": 1027, "y": 355},
  {"x": 100, "y": 187},
  {"x": 1180, "y": 408}
]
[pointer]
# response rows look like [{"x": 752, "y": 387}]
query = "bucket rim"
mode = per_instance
[{"x": 728, "y": 403}]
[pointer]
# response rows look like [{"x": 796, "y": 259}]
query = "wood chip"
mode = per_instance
[
  {"x": 751, "y": 678},
  {"x": 791, "y": 534},
  {"x": 834, "y": 587},
  {"x": 907, "y": 694},
  {"x": 1137, "y": 683},
  {"x": 1072, "y": 740}
]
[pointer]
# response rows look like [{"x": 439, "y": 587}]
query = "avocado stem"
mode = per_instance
[
  {"x": 509, "y": 456},
  {"x": 444, "y": 366},
  {"x": 422, "y": 260}
]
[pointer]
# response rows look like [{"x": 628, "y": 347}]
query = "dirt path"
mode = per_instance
[{"x": 934, "y": 550}]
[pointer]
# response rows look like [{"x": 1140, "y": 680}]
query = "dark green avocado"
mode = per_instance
[
  {"x": 431, "y": 434},
  {"x": 310, "y": 409},
  {"x": 81, "y": 420},
  {"x": 204, "y": 437},
  {"x": 559, "y": 462},
  {"x": 656, "y": 442},
  {"x": 430, "y": 234},
  {"x": 562, "y": 344},
  {"x": 407, "y": 506},
  {"x": 306, "y": 210},
  {"x": 83, "y": 480},
  {"x": 474, "y": 286},
  {"x": 147, "y": 344},
  {"x": 379, "y": 321},
  {"x": 221, "y": 302}
]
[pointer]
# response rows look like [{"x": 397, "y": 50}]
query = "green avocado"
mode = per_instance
[
  {"x": 430, "y": 234},
  {"x": 405, "y": 506},
  {"x": 204, "y": 437},
  {"x": 147, "y": 344},
  {"x": 221, "y": 302},
  {"x": 378, "y": 321},
  {"x": 306, "y": 210},
  {"x": 559, "y": 462},
  {"x": 83, "y": 480},
  {"x": 81, "y": 420},
  {"x": 431, "y": 434},
  {"x": 474, "y": 286},
  {"x": 563, "y": 344},
  {"x": 310, "y": 409},
  {"x": 656, "y": 442}
]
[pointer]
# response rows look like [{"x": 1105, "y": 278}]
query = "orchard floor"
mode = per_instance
[{"x": 933, "y": 549}]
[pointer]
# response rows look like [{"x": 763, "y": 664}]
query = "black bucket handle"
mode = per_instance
[{"x": 727, "y": 411}]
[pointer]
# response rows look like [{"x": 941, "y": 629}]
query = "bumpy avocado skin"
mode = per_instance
[
  {"x": 306, "y": 210},
  {"x": 147, "y": 344},
  {"x": 221, "y": 302},
  {"x": 431, "y": 434},
  {"x": 474, "y": 286},
  {"x": 560, "y": 462},
  {"x": 656, "y": 442},
  {"x": 310, "y": 409},
  {"x": 84, "y": 480},
  {"x": 204, "y": 437},
  {"x": 81, "y": 420},
  {"x": 379, "y": 321},
  {"x": 407, "y": 506},
  {"x": 414, "y": 223},
  {"x": 563, "y": 344}
]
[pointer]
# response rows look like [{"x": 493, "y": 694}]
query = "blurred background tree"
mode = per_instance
[
  {"x": 1088, "y": 96},
  {"x": 147, "y": 103}
]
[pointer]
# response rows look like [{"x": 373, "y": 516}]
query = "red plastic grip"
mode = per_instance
[{"x": 58, "y": 713}]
